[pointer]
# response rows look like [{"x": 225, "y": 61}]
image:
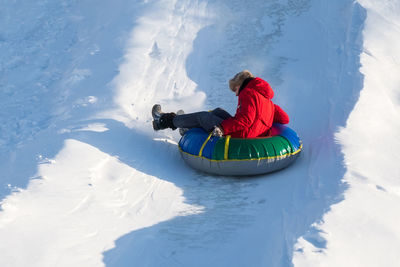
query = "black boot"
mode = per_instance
[{"x": 162, "y": 120}]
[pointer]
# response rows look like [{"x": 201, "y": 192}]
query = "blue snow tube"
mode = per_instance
[{"x": 240, "y": 156}]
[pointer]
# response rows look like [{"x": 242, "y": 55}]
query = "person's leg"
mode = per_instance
[
  {"x": 221, "y": 113},
  {"x": 204, "y": 119}
]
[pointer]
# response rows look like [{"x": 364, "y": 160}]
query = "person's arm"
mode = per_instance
[
  {"x": 244, "y": 117},
  {"x": 280, "y": 116}
]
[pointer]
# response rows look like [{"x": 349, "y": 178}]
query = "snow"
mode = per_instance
[
  {"x": 85, "y": 181},
  {"x": 78, "y": 188},
  {"x": 363, "y": 229}
]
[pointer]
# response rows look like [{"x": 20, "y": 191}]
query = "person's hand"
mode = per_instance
[{"x": 218, "y": 131}]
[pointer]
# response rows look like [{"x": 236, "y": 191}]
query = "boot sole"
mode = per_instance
[{"x": 156, "y": 111}]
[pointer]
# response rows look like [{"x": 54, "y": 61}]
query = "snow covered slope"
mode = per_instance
[
  {"x": 363, "y": 229},
  {"x": 85, "y": 181}
]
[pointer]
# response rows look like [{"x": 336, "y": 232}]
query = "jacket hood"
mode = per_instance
[{"x": 261, "y": 87}]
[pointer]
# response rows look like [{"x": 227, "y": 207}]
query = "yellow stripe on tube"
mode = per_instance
[
  {"x": 204, "y": 144},
  {"x": 226, "y": 150}
]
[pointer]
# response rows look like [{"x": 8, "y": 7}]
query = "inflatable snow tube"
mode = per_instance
[{"x": 240, "y": 156}]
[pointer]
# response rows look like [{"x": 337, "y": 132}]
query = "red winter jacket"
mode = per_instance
[{"x": 255, "y": 112}]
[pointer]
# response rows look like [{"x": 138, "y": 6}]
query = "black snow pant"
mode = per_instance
[{"x": 203, "y": 119}]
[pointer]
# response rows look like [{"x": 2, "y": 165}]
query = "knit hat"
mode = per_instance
[{"x": 238, "y": 79}]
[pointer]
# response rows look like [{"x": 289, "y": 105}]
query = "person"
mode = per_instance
[{"x": 255, "y": 112}]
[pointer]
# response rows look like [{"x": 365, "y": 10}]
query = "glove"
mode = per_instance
[{"x": 218, "y": 131}]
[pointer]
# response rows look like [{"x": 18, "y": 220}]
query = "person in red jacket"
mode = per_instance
[{"x": 255, "y": 112}]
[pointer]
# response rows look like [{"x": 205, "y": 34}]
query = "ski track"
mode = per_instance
[{"x": 86, "y": 182}]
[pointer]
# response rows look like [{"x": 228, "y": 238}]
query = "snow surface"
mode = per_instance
[{"x": 85, "y": 181}]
